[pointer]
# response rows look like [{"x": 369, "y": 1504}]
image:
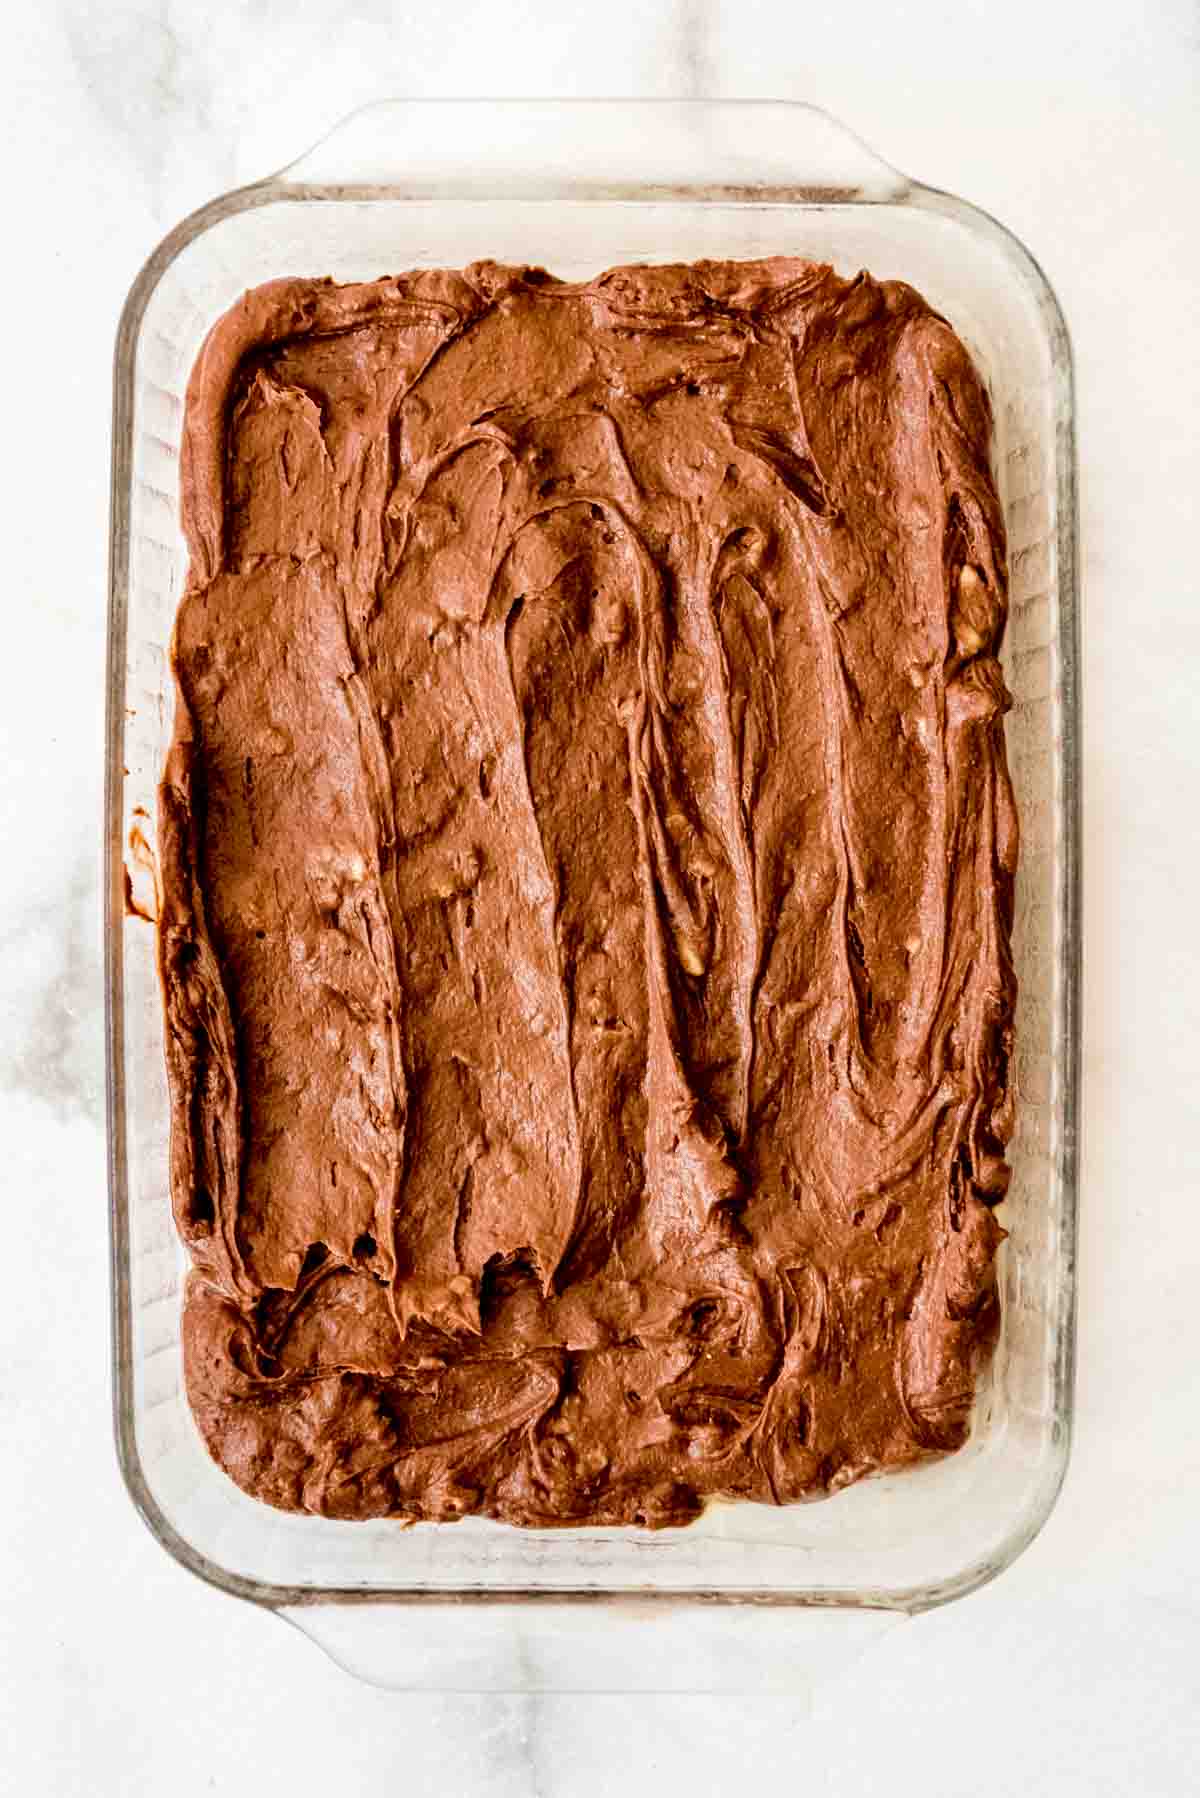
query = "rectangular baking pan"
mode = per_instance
[{"x": 727, "y": 1603}]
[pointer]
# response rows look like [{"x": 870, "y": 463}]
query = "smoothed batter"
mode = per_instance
[{"x": 588, "y": 852}]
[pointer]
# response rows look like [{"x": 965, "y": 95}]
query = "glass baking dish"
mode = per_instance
[{"x": 742, "y": 1598}]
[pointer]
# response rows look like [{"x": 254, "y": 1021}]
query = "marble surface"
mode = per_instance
[{"x": 1077, "y": 1672}]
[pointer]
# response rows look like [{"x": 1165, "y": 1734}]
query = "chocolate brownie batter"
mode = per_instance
[{"x": 587, "y": 855}]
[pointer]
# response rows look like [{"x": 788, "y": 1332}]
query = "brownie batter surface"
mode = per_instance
[{"x": 587, "y": 851}]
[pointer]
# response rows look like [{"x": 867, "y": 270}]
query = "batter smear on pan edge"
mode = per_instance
[{"x": 588, "y": 855}]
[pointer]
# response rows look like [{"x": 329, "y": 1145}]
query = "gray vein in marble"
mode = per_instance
[
  {"x": 146, "y": 74},
  {"x": 512, "y": 1745},
  {"x": 529, "y": 1739},
  {"x": 50, "y": 974},
  {"x": 695, "y": 35}
]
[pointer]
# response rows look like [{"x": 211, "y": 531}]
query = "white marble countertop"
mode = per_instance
[{"x": 1079, "y": 1670}]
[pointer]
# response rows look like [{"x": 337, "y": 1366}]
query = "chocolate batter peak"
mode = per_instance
[{"x": 588, "y": 856}]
